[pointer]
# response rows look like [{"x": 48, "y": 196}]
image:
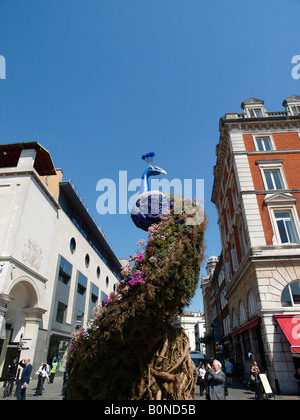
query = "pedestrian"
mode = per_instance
[
  {"x": 42, "y": 372},
  {"x": 254, "y": 371},
  {"x": 48, "y": 374},
  {"x": 25, "y": 378},
  {"x": 202, "y": 372},
  {"x": 11, "y": 372},
  {"x": 216, "y": 381},
  {"x": 296, "y": 378},
  {"x": 53, "y": 370},
  {"x": 229, "y": 371}
]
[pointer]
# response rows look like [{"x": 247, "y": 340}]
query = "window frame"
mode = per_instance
[
  {"x": 295, "y": 105},
  {"x": 295, "y": 220},
  {"x": 264, "y": 136},
  {"x": 273, "y": 166},
  {"x": 254, "y": 110},
  {"x": 288, "y": 287}
]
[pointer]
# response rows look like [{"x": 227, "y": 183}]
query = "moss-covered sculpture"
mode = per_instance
[{"x": 130, "y": 350}]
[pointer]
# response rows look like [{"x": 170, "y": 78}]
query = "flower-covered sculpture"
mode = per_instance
[{"x": 131, "y": 350}]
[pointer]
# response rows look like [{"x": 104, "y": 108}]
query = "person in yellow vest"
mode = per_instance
[{"x": 53, "y": 370}]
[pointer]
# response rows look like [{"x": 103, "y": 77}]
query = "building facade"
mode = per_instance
[
  {"x": 55, "y": 263},
  {"x": 256, "y": 192},
  {"x": 193, "y": 325}
]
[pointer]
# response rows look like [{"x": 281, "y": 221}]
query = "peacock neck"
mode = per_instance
[{"x": 145, "y": 182}]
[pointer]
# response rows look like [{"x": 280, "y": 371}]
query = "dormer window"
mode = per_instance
[
  {"x": 295, "y": 109},
  {"x": 292, "y": 105},
  {"x": 255, "y": 112},
  {"x": 254, "y": 108}
]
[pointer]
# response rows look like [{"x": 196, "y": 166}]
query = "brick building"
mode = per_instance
[{"x": 256, "y": 192}]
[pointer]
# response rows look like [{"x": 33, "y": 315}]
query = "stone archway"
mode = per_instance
[
  {"x": 23, "y": 314},
  {"x": 25, "y": 296}
]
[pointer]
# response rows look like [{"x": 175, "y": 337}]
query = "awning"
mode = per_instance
[
  {"x": 247, "y": 326},
  {"x": 290, "y": 325}
]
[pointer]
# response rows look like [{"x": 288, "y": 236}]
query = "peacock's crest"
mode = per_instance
[{"x": 149, "y": 158}]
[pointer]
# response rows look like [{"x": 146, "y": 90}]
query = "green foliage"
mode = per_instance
[{"x": 108, "y": 358}]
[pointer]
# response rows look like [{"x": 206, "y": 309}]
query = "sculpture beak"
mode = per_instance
[{"x": 163, "y": 172}]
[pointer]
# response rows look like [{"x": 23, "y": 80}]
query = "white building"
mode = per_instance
[
  {"x": 193, "y": 324},
  {"x": 55, "y": 263}
]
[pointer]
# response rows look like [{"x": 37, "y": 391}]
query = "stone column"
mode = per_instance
[{"x": 33, "y": 318}]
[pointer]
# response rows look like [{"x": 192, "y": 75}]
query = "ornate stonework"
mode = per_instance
[{"x": 33, "y": 254}]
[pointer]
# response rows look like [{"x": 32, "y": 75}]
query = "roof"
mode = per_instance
[
  {"x": 10, "y": 154},
  {"x": 293, "y": 98},
  {"x": 252, "y": 101},
  {"x": 67, "y": 191}
]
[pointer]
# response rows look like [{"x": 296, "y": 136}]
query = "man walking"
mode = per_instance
[{"x": 25, "y": 378}]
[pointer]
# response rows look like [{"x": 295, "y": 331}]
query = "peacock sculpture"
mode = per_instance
[
  {"x": 132, "y": 350},
  {"x": 150, "y": 204}
]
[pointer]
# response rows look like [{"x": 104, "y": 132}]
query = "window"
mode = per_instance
[
  {"x": 223, "y": 300},
  {"x": 94, "y": 294},
  {"x": 65, "y": 271},
  {"x": 273, "y": 179},
  {"x": 272, "y": 174},
  {"x": 286, "y": 227},
  {"x": 291, "y": 294},
  {"x": 234, "y": 259},
  {"x": 252, "y": 306},
  {"x": 79, "y": 319},
  {"x": 107, "y": 281},
  {"x": 228, "y": 271},
  {"x": 295, "y": 109},
  {"x": 214, "y": 312},
  {"x": 72, "y": 245},
  {"x": 263, "y": 144},
  {"x": 242, "y": 313},
  {"x": 60, "y": 315},
  {"x": 234, "y": 319},
  {"x": 98, "y": 272},
  {"x": 255, "y": 112},
  {"x": 82, "y": 284},
  {"x": 221, "y": 276},
  {"x": 226, "y": 325},
  {"x": 87, "y": 260}
]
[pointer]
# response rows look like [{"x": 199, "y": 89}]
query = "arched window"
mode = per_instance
[
  {"x": 242, "y": 312},
  {"x": 252, "y": 306},
  {"x": 291, "y": 294}
]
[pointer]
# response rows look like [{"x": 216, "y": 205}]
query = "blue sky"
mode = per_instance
[{"x": 101, "y": 82}]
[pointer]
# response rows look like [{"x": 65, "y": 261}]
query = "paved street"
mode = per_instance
[
  {"x": 53, "y": 392},
  {"x": 239, "y": 393}
]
